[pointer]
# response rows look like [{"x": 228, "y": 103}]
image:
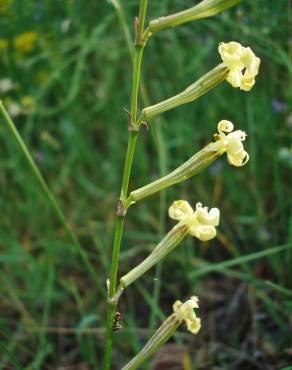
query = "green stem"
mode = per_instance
[
  {"x": 50, "y": 197},
  {"x": 116, "y": 248},
  {"x": 136, "y": 79},
  {"x": 128, "y": 164},
  {"x": 142, "y": 16},
  {"x": 139, "y": 48},
  {"x": 133, "y": 134},
  {"x": 159, "y": 143}
]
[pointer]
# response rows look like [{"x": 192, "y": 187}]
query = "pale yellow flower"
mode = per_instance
[
  {"x": 231, "y": 143},
  {"x": 185, "y": 312},
  {"x": 182, "y": 313},
  {"x": 180, "y": 209},
  {"x": 242, "y": 63},
  {"x": 201, "y": 222}
]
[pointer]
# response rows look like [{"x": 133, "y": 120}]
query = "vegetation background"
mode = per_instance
[{"x": 65, "y": 75}]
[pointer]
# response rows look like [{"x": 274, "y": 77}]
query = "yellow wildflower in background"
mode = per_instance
[
  {"x": 25, "y": 42},
  {"x": 3, "y": 44},
  {"x": 4, "y": 5},
  {"x": 28, "y": 104},
  {"x": 42, "y": 77}
]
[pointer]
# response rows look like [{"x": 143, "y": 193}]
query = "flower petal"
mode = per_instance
[{"x": 179, "y": 210}]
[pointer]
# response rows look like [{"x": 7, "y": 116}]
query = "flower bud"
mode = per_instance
[
  {"x": 182, "y": 312},
  {"x": 231, "y": 144},
  {"x": 204, "y": 9}
]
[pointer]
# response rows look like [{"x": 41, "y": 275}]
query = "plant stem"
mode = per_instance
[
  {"x": 133, "y": 134},
  {"x": 136, "y": 78},
  {"x": 49, "y": 195},
  {"x": 159, "y": 143}
]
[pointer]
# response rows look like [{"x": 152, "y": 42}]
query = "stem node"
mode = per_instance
[
  {"x": 137, "y": 31},
  {"x": 121, "y": 209},
  {"x": 133, "y": 127},
  {"x": 115, "y": 299}
]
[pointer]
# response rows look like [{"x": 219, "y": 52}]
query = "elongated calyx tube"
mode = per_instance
[
  {"x": 240, "y": 67},
  {"x": 167, "y": 244},
  {"x": 204, "y": 84},
  {"x": 200, "y": 223},
  {"x": 206, "y": 8},
  {"x": 182, "y": 313},
  {"x": 231, "y": 143}
]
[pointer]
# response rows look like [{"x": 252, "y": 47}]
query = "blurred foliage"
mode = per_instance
[{"x": 65, "y": 75}]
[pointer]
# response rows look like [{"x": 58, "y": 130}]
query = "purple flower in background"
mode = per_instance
[
  {"x": 39, "y": 157},
  {"x": 38, "y": 8},
  {"x": 216, "y": 167},
  {"x": 279, "y": 106}
]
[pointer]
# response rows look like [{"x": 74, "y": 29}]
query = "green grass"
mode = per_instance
[{"x": 51, "y": 312}]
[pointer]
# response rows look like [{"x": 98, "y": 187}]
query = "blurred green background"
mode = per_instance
[{"x": 65, "y": 75}]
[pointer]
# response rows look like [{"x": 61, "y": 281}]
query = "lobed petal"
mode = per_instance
[
  {"x": 194, "y": 326},
  {"x": 180, "y": 209},
  {"x": 225, "y": 126},
  {"x": 207, "y": 217}
]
